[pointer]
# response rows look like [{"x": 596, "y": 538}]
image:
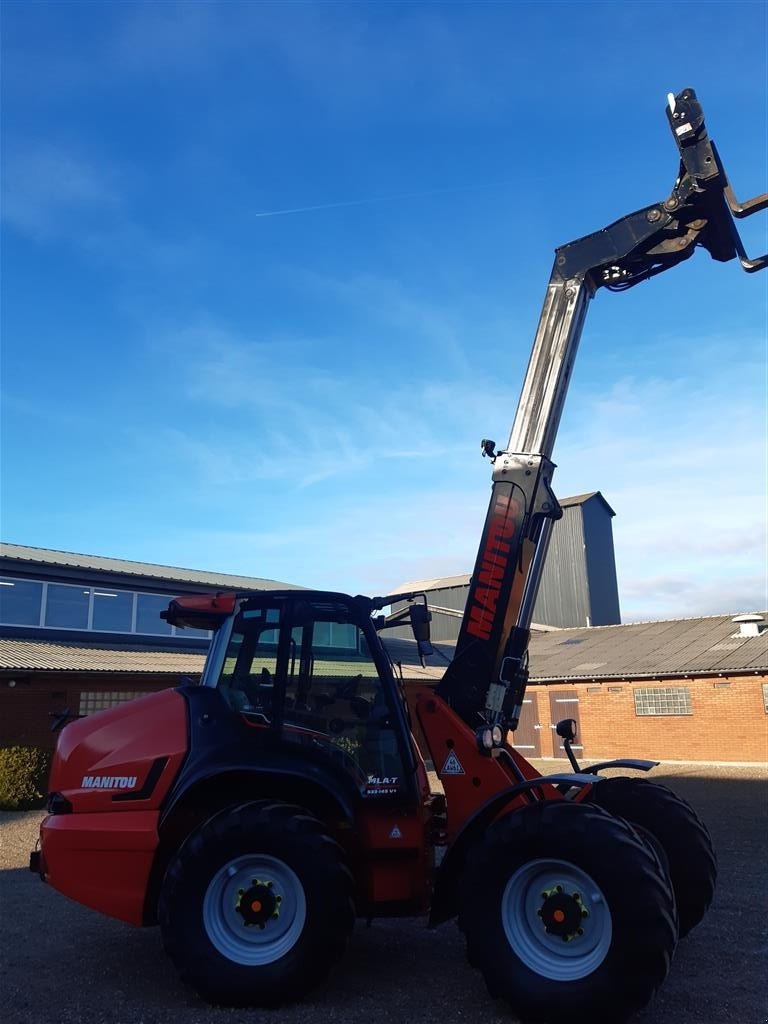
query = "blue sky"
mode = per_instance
[{"x": 193, "y": 377}]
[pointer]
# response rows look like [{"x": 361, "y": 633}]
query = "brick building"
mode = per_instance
[{"x": 684, "y": 689}]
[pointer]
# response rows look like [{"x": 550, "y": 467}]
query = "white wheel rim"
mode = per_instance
[
  {"x": 556, "y": 895},
  {"x": 254, "y": 909}
]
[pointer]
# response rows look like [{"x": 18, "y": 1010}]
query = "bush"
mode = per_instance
[{"x": 23, "y": 778}]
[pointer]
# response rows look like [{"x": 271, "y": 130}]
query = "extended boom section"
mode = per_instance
[{"x": 486, "y": 680}]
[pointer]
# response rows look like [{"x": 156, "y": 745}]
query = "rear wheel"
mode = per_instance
[
  {"x": 567, "y": 914},
  {"x": 683, "y": 837},
  {"x": 257, "y": 905}
]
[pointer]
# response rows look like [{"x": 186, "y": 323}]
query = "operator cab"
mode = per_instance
[{"x": 308, "y": 669}]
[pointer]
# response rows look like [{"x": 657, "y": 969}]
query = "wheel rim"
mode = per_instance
[
  {"x": 254, "y": 909},
  {"x": 556, "y": 919}
]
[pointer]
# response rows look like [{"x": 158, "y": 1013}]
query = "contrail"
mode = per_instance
[{"x": 382, "y": 199}]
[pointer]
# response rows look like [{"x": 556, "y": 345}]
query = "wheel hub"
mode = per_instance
[
  {"x": 258, "y": 904},
  {"x": 562, "y": 913}
]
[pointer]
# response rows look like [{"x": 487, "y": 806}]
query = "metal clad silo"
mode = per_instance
[
  {"x": 578, "y": 586},
  {"x": 602, "y": 584},
  {"x": 563, "y": 598}
]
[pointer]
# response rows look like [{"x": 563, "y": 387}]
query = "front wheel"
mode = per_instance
[
  {"x": 257, "y": 905},
  {"x": 681, "y": 834},
  {"x": 567, "y": 914}
]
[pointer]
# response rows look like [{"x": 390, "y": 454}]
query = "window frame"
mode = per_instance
[
  {"x": 394, "y": 699},
  {"x": 176, "y": 631},
  {"x": 43, "y": 595}
]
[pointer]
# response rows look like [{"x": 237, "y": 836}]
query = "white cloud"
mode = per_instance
[
  {"x": 57, "y": 195},
  {"x": 306, "y": 423},
  {"x": 47, "y": 189},
  {"x": 669, "y": 597},
  {"x": 682, "y": 461}
]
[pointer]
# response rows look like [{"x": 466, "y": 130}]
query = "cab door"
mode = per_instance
[
  {"x": 341, "y": 698},
  {"x": 336, "y": 701}
]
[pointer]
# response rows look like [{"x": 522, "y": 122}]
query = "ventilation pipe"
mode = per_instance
[{"x": 750, "y": 624}]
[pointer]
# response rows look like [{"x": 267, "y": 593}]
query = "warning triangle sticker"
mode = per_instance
[
  {"x": 395, "y": 833},
  {"x": 452, "y": 765}
]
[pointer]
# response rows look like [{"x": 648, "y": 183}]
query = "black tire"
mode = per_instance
[
  {"x": 257, "y": 905},
  {"x": 680, "y": 832},
  {"x": 618, "y": 964}
]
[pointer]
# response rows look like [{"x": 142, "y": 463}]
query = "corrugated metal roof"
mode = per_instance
[
  {"x": 644, "y": 649},
  {"x": 674, "y": 647},
  {"x": 441, "y": 583},
  {"x": 30, "y": 655},
  {"x": 634, "y": 650},
  {"x": 404, "y": 653},
  {"x": 582, "y": 499},
  {"x": 170, "y": 573}
]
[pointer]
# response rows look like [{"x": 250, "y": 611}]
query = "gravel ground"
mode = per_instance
[{"x": 66, "y": 964}]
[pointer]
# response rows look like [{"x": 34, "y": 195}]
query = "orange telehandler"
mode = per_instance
[{"x": 254, "y": 815}]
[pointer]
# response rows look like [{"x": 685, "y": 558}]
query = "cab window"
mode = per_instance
[
  {"x": 247, "y": 681},
  {"x": 334, "y": 700}
]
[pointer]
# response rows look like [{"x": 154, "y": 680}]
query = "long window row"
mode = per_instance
[{"x": 101, "y": 609}]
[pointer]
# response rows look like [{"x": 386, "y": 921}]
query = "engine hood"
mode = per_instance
[{"x": 124, "y": 758}]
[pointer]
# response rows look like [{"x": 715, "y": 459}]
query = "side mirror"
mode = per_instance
[
  {"x": 566, "y": 729},
  {"x": 420, "y": 618}
]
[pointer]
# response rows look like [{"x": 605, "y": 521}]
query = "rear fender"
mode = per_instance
[
  {"x": 549, "y": 787},
  {"x": 624, "y": 762}
]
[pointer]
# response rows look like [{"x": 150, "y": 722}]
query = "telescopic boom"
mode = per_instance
[{"x": 486, "y": 680}]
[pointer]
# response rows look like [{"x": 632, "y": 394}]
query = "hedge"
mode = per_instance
[{"x": 23, "y": 778}]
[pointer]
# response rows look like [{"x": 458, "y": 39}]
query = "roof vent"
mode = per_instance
[{"x": 750, "y": 624}]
